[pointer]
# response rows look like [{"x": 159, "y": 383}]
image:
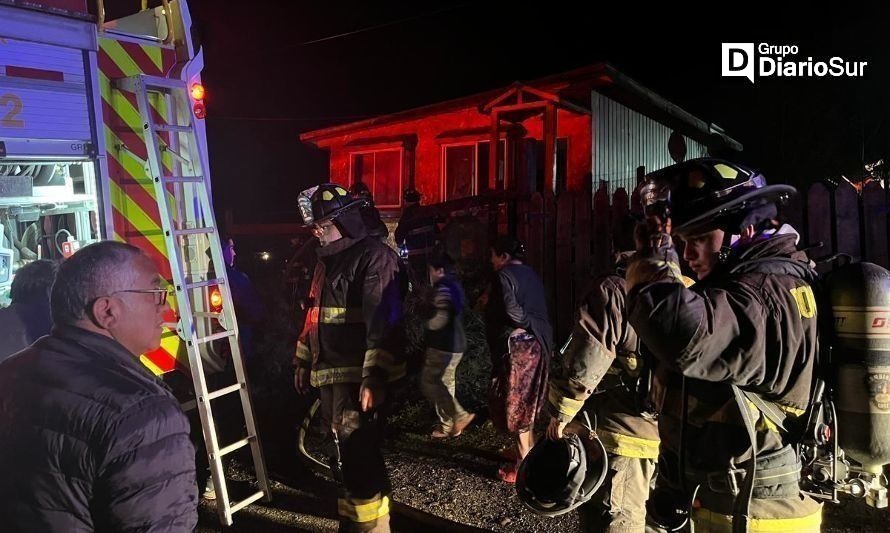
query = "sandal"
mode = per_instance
[
  {"x": 462, "y": 424},
  {"x": 440, "y": 433}
]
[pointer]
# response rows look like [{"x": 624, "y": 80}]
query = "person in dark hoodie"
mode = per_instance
[
  {"x": 351, "y": 348},
  {"x": 520, "y": 340},
  {"x": 732, "y": 350},
  {"x": 446, "y": 343},
  {"x": 91, "y": 440},
  {"x": 28, "y": 316}
]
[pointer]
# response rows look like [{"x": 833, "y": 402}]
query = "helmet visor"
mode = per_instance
[
  {"x": 655, "y": 195},
  {"x": 304, "y": 203}
]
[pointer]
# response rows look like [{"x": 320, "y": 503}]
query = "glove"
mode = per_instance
[{"x": 655, "y": 260}]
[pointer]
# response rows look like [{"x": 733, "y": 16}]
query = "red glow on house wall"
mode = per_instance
[
  {"x": 543, "y": 129},
  {"x": 432, "y": 151}
]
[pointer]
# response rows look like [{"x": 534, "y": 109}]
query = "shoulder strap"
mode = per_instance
[
  {"x": 769, "y": 409},
  {"x": 741, "y": 518}
]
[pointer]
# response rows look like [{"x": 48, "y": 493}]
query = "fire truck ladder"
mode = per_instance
[{"x": 183, "y": 226}]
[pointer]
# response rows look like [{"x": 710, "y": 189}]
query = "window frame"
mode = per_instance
[{"x": 401, "y": 154}]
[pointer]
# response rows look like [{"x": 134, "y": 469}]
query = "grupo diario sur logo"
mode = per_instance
[{"x": 765, "y": 60}]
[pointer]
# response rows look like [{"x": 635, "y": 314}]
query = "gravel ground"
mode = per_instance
[{"x": 453, "y": 480}]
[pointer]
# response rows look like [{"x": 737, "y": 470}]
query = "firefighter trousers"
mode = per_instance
[
  {"x": 358, "y": 464},
  {"x": 619, "y": 506},
  {"x": 788, "y": 515}
]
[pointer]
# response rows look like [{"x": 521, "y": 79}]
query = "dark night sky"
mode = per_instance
[{"x": 267, "y": 82}]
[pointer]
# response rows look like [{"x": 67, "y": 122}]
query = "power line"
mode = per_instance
[
  {"x": 291, "y": 119},
  {"x": 361, "y": 30},
  {"x": 378, "y": 26}
]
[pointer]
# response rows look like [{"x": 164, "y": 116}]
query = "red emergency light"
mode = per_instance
[
  {"x": 216, "y": 300},
  {"x": 198, "y": 93}
]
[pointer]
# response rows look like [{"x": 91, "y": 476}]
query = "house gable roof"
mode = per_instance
[{"x": 572, "y": 88}]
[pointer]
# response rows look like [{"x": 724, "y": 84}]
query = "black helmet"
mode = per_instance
[
  {"x": 325, "y": 202},
  {"x": 359, "y": 190},
  {"x": 558, "y": 476},
  {"x": 411, "y": 195},
  {"x": 706, "y": 193}
]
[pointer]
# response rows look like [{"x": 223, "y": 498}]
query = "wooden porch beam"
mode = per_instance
[
  {"x": 490, "y": 105},
  {"x": 549, "y": 148},
  {"x": 523, "y": 107},
  {"x": 494, "y": 139},
  {"x": 541, "y": 94}
]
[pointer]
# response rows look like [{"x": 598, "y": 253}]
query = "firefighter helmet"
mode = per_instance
[
  {"x": 558, "y": 476},
  {"x": 359, "y": 190},
  {"x": 707, "y": 193},
  {"x": 325, "y": 202},
  {"x": 411, "y": 195}
]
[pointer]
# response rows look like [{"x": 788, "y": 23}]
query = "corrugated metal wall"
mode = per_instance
[{"x": 624, "y": 139}]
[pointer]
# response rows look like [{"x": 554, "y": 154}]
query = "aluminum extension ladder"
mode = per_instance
[{"x": 188, "y": 228}]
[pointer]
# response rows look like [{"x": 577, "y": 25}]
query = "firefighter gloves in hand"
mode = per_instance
[{"x": 656, "y": 261}]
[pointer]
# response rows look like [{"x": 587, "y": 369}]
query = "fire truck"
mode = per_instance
[{"x": 102, "y": 136}]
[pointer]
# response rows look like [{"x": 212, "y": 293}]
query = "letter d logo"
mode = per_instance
[{"x": 738, "y": 60}]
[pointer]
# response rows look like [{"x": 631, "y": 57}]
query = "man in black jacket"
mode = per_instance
[{"x": 91, "y": 440}]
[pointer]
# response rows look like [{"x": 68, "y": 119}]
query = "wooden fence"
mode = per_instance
[{"x": 573, "y": 236}]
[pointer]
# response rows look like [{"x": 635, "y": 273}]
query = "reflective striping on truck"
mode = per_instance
[{"x": 134, "y": 209}]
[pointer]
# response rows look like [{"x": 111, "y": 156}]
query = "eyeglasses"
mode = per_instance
[{"x": 160, "y": 294}]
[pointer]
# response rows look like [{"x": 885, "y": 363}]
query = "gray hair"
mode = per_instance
[{"x": 92, "y": 272}]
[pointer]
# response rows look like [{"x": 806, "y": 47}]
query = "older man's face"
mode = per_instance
[{"x": 138, "y": 327}]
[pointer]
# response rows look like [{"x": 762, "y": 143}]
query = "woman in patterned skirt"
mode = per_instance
[{"x": 519, "y": 339}]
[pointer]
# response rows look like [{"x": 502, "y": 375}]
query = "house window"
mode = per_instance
[
  {"x": 465, "y": 168},
  {"x": 381, "y": 171}
]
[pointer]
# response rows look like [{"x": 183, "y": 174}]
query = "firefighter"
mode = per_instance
[
  {"x": 739, "y": 343},
  {"x": 416, "y": 237},
  {"x": 602, "y": 363},
  {"x": 350, "y": 349}
]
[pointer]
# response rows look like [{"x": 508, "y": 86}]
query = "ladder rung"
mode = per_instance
[
  {"x": 193, "y": 231},
  {"x": 209, "y": 282},
  {"x": 237, "y": 506},
  {"x": 151, "y": 83},
  {"x": 205, "y": 314},
  {"x": 215, "y": 336},
  {"x": 234, "y": 446},
  {"x": 223, "y": 391},
  {"x": 183, "y": 179},
  {"x": 189, "y": 405},
  {"x": 157, "y": 82},
  {"x": 176, "y": 128}
]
